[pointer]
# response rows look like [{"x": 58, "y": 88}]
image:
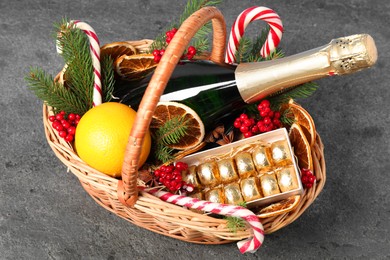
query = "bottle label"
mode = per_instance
[{"x": 191, "y": 92}]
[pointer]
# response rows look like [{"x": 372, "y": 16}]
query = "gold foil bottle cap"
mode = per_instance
[
  {"x": 227, "y": 170},
  {"x": 352, "y": 53}
]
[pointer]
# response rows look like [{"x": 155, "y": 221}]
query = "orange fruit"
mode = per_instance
[
  {"x": 301, "y": 146},
  {"x": 280, "y": 207},
  {"x": 304, "y": 119},
  {"x": 134, "y": 66},
  {"x": 117, "y": 49},
  {"x": 195, "y": 131},
  {"x": 102, "y": 134}
]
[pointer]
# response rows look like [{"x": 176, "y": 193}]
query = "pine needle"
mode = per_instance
[
  {"x": 200, "y": 39},
  {"x": 298, "y": 92},
  {"x": 170, "y": 133},
  {"x": 53, "y": 93},
  {"x": 235, "y": 223}
]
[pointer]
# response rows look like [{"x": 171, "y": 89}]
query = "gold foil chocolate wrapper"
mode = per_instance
[
  {"x": 233, "y": 194},
  {"x": 250, "y": 189},
  {"x": 245, "y": 165},
  {"x": 197, "y": 195},
  {"x": 227, "y": 170},
  {"x": 262, "y": 158},
  {"x": 287, "y": 179},
  {"x": 281, "y": 154},
  {"x": 191, "y": 177},
  {"x": 215, "y": 195},
  {"x": 269, "y": 184},
  {"x": 208, "y": 173}
]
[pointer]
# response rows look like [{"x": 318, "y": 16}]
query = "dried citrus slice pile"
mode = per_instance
[
  {"x": 300, "y": 116},
  {"x": 117, "y": 49},
  {"x": 134, "y": 66},
  {"x": 280, "y": 207},
  {"x": 129, "y": 62},
  {"x": 195, "y": 131},
  {"x": 301, "y": 146}
]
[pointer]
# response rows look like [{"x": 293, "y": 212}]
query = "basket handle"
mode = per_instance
[{"x": 127, "y": 187}]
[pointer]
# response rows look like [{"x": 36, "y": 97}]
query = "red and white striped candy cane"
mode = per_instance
[
  {"x": 94, "y": 47},
  {"x": 248, "y": 245},
  {"x": 242, "y": 21}
]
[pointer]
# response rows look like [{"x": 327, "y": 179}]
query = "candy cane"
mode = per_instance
[
  {"x": 94, "y": 47},
  {"x": 248, "y": 245},
  {"x": 242, "y": 21}
]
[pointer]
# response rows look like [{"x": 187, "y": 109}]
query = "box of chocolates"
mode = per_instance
[{"x": 259, "y": 170}]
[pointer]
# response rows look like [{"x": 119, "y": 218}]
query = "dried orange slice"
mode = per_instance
[
  {"x": 301, "y": 146},
  {"x": 116, "y": 49},
  {"x": 195, "y": 131},
  {"x": 304, "y": 119},
  {"x": 133, "y": 67},
  {"x": 280, "y": 207}
]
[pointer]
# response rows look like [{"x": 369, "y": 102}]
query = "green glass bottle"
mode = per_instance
[{"x": 216, "y": 90}]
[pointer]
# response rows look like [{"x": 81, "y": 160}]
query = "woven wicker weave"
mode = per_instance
[{"x": 122, "y": 197}]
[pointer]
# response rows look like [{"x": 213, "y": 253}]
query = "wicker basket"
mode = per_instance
[{"x": 140, "y": 208}]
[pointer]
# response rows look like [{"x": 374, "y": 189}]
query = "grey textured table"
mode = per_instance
[{"x": 46, "y": 214}]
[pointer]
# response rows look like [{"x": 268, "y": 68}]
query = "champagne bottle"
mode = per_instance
[{"x": 217, "y": 90}]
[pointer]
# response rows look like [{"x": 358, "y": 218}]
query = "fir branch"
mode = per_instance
[
  {"x": 201, "y": 35},
  {"x": 170, "y": 133},
  {"x": 301, "y": 91},
  {"x": 53, "y": 93},
  {"x": 242, "y": 54},
  {"x": 235, "y": 223},
  {"x": 108, "y": 80},
  {"x": 76, "y": 54},
  {"x": 164, "y": 153}
]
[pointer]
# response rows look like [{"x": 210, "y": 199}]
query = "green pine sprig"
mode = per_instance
[
  {"x": 249, "y": 49},
  {"x": 235, "y": 223},
  {"x": 200, "y": 40},
  {"x": 76, "y": 95},
  {"x": 298, "y": 92},
  {"x": 170, "y": 133},
  {"x": 54, "y": 93}
]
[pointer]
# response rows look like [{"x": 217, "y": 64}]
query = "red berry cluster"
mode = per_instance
[
  {"x": 169, "y": 35},
  {"x": 307, "y": 178},
  {"x": 170, "y": 176},
  {"x": 65, "y": 125},
  {"x": 269, "y": 120}
]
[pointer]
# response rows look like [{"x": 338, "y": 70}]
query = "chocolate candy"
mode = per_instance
[
  {"x": 281, "y": 154},
  {"x": 191, "y": 176},
  {"x": 287, "y": 179},
  {"x": 250, "y": 189},
  {"x": 208, "y": 173},
  {"x": 215, "y": 195},
  {"x": 227, "y": 170},
  {"x": 262, "y": 158},
  {"x": 233, "y": 194},
  {"x": 269, "y": 184},
  {"x": 245, "y": 165}
]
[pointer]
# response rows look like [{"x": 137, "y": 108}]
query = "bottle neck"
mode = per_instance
[{"x": 345, "y": 55}]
